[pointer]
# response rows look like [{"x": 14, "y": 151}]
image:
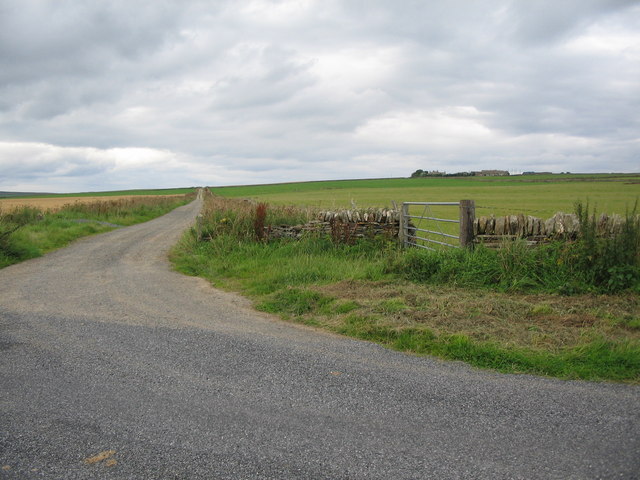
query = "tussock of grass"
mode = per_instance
[{"x": 499, "y": 310}]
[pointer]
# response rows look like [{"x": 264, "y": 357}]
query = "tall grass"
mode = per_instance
[
  {"x": 29, "y": 232},
  {"x": 610, "y": 262},
  {"x": 591, "y": 263}
]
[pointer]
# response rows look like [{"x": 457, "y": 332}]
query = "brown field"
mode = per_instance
[{"x": 55, "y": 203}]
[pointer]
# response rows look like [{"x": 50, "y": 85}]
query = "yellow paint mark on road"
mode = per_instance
[
  {"x": 6, "y": 467},
  {"x": 111, "y": 462},
  {"x": 100, "y": 457}
]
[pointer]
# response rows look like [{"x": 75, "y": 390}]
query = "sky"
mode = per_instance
[{"x": 136, "y": 94}]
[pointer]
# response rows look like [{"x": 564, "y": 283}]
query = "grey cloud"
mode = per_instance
[
  {"x": 66, "y": 37},
  {"x": 279, "y": 80},
  {"x": 28, "y": 166},
  {"x": 280, "y": 90},
  {"x": 541, "y": 22}
]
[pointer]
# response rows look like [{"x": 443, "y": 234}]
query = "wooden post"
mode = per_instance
[
  {"x": 402, "y": 225},
  {"x": 467, "y": 216}
]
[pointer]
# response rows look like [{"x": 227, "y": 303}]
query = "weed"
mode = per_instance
[
  {"x": 259, "y": 221},
  {"x": 608, "y": 261}
]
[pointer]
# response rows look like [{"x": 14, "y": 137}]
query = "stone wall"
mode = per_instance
[
  {"x": 344, "y": 225},
  {"x": 371, "y": 215},
  {"x": 338, "y": 230},
  {"x": 561, "y": 226},
  {"x": 348, "y": 225}
]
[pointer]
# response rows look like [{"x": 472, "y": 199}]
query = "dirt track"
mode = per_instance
[{"x": 112, "y": 366}]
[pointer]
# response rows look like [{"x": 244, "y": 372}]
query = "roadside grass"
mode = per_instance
[
  {"x": 29, "y": 232},
  {"x": 490, "y": 309}
]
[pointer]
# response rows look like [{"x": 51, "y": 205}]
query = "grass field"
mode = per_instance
[
  {"x": 537, "y": 195},
  {"x": 119, "y": 193}
]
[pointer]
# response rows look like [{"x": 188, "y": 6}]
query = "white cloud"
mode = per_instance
[
  {"x": 98, "y": 95},
  {"x": 28, "y": 163},
  {"x": 452, "y": 128}
]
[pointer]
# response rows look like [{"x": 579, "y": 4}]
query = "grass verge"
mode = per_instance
[{"x": 365, "y": 291}]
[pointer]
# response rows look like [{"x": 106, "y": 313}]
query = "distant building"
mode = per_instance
[
  {"x": 424, "y": 173},
  {"x": 459, "y": 174},
  {"x": 491, "y": 173}
]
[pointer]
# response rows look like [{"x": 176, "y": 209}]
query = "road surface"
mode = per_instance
[{"x": 114, "y": 367}]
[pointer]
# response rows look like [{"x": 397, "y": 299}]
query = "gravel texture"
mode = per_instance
[{"x": 105, "y": 350}]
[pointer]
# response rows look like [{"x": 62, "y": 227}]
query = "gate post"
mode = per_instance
[
  {"x": 467, "y": 216},
  {"x": 402, "y": 225}
]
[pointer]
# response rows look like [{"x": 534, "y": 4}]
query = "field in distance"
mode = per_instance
[
  {"x": 537, "y": 195},
  {"x": 56, "y": 201}
]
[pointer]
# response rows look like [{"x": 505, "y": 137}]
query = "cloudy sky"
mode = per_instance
[{"x": 98, "y": 95}]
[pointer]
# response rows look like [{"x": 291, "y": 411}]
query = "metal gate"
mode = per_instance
[{"x": 429, "y": 231}]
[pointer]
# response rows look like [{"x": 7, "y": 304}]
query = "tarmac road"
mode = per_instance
[{"x": 114, "y": 367}]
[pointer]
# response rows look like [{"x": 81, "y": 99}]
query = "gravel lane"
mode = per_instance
[{"x": 105, "y": 350}]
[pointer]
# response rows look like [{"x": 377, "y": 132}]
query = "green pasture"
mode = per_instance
[{"x": 537, "y": 195}]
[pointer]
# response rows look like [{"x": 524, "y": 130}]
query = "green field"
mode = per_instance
[{"x": 537, "y": 195}]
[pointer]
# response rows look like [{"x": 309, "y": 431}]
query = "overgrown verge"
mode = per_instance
[
  {"x": 500, "y": 310},
  {"x": 29, "y": 232}
]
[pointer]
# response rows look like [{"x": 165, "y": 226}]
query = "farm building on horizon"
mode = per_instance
[
  {"x": 491, "y": 173},
  {"x": 482, "y": 173}
]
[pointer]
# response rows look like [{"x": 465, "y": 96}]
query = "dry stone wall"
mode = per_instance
[
  {"x": 561, "y": 226},
  {"x": 348, "y": 225},
  {"x": 371, "y": 215},
  {"x": 344, "y": 225}
]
